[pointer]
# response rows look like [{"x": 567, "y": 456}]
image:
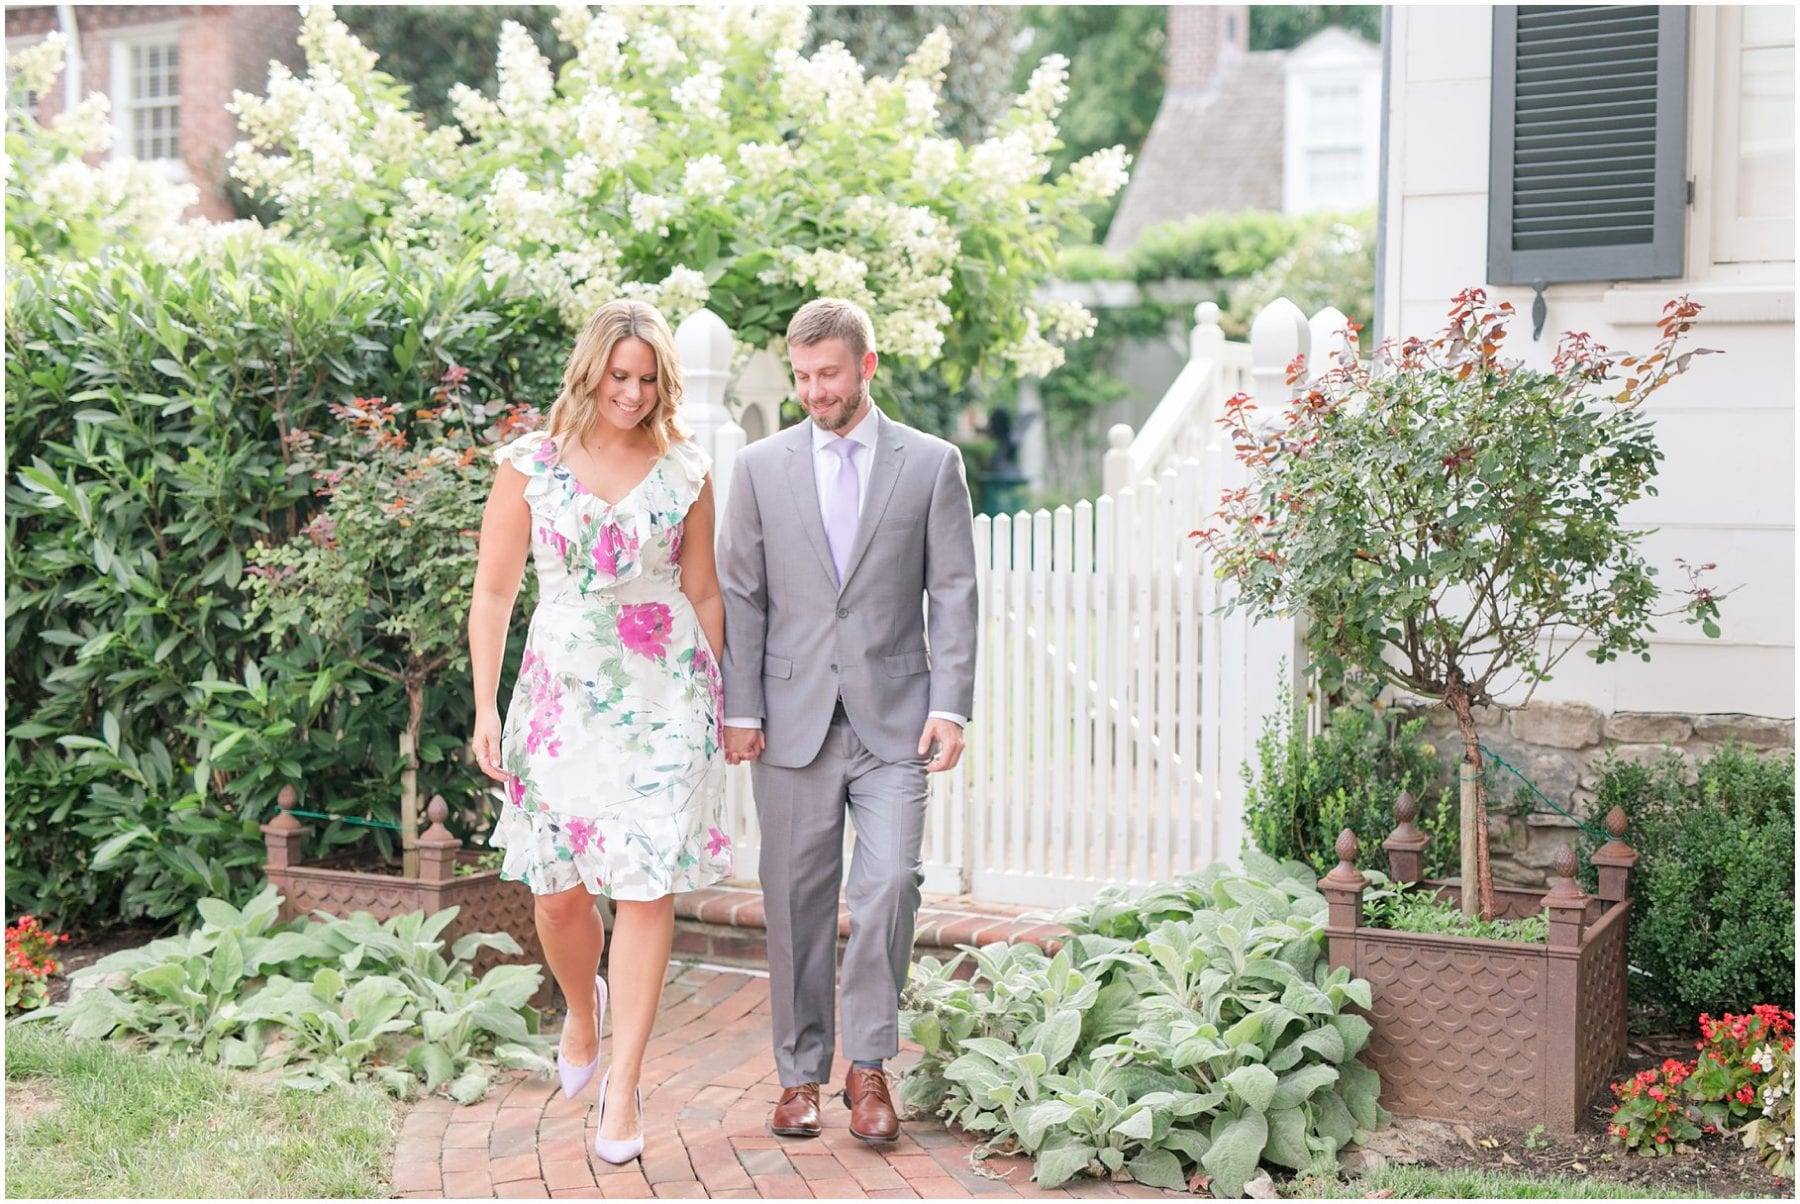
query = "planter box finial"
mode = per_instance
[
  {"x": 1406, "y": 845},
  {"x": 284, "y": 837}
]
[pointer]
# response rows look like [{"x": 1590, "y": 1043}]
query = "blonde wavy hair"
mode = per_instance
[{"x": 576, "y": 411}]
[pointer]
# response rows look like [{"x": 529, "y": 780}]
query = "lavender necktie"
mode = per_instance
[{"x": 843, "y": 500}]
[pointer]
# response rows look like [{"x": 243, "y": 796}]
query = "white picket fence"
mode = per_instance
[
  {"x": 1114, "y": 703},
  {"x": 1185, "y": 422},
  {"x": 1080, "y": 751}
]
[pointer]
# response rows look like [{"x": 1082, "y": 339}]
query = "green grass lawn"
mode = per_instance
[
  {"x": 1426, "y": 1183},
  {"x": 87, "y": 1119}
]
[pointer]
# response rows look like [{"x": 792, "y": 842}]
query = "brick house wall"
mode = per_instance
[{"x": 222, "y": 48}]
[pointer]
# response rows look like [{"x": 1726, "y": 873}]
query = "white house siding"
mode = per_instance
[{"x": 1726, "y": 429}]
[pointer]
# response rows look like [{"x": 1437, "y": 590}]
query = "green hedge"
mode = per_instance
[
  {"x": 147, "y": 729},
  {"x": 1250, "y": 258},
  {"x": 1206, "y": 246},
  {"x": 1712, "y": 923},
  {"x": 1304, "y": 790}
]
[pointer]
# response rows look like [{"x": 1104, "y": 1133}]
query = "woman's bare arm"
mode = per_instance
[
  {"x": 505, "y": 542},
  {"x": 700, "y": 571}
]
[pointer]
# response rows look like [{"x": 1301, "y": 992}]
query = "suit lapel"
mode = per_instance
[
  {"x": 883, "y": 475},
  {"x": 802, "y": 479}
]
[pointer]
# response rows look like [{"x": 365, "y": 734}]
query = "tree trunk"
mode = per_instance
[
  {"x": 1456, "y": 697},
  {"x": 409, "y": 777},
  {"x": 1468, "y": 802}
]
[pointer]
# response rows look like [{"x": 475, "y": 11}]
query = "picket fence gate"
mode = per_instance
[
  {"x": 1114, "y": 701},
  {"x": 1113, "y": 705}
]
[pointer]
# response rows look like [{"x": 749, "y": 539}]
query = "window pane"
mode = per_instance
[
  {"x": 1766, "y": 130},
  {"x": 155, "y": 72},
  {"x": 1768, "y": 23},
  {"x": 1334, "y": 177},
  {"x": 1335, "y": 114}
]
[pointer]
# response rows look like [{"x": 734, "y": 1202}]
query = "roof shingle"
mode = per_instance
[{"x": 1217, "y": 150}]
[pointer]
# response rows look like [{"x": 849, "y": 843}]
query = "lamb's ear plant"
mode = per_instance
[
  {"x": 1195, "y": 1030},
  {"x": 1409, "y": 907},
  {"x": 326, "y": 1000},
  {"x": 183, "y": 993},
  {"x": 1452, "y": 521}
]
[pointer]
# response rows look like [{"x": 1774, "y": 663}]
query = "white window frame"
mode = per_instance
[
  {"x": 1753, "y": 290},
  {"x": 1737, "y": 239},
  {"x": 119, "y": 91}
]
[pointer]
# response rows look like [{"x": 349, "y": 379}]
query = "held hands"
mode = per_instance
[
  {"x": 486, "y": 744},
  {"x": 949, "y": 740},
  {"x": 742, "y": 744}
]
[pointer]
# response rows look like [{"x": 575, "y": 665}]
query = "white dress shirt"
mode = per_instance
[{"x": 865, "y": 434}]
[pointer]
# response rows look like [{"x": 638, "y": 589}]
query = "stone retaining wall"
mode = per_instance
[{"x": 1559, "y": 746}]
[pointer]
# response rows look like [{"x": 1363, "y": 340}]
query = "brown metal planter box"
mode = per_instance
[
  {"x": 486, "y": 903},
  {"x": 1491, "y": 1032}
]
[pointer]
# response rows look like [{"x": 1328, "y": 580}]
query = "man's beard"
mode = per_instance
[{"x": 848, "y": 415}]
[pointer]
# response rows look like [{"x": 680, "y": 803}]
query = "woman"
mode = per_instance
[{"x": 610, "y": 748}]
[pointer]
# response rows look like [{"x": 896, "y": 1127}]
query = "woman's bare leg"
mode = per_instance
[
  {"x": 573, "y": 939},
  {"x": 643, "y": 933}
]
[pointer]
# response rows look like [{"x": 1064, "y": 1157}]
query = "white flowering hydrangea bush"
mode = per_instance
[
  {"x": 694, "y": 158},
  {"x": 58, "y": 204}
]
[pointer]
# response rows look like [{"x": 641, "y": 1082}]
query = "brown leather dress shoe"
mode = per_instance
[
  {"x": 797, "y": 1114},
  {"x": 872, "y": 1116}
]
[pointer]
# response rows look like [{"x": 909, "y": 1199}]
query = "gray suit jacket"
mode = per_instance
[{"x": 794, "y": 640}]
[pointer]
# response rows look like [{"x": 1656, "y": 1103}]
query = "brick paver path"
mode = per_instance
[{"x": 709, "y": 1082}]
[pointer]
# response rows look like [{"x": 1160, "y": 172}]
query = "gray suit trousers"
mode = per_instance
[{"x": 801, "y": 812}]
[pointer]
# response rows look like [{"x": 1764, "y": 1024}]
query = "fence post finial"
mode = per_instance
[
  {"x": 1328, "y": 332},
  {"x": 1278, "y": 334},
  {"x": 1207, "y": 340},
  {"x": 1115, "y": 465}
]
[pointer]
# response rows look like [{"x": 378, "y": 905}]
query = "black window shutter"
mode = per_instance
[{"x": 1589, "y": 127}]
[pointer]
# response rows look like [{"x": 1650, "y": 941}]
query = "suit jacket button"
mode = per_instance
[
  {"x": 843, "y": 613},
  {"x": 834, "y": 668}
]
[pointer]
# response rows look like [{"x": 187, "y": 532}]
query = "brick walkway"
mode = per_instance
[{"x": 709, "y": 1082}]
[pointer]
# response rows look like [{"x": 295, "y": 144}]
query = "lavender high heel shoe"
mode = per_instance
[
  {"x": 575, "y": 1078},
  {"x": 619, "y": 1152}
]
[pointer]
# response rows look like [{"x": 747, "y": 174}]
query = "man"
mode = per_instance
[{"x": 845, "y": 692}]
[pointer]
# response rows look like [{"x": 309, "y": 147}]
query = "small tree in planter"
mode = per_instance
[
  {"x": 383, "y": 571},
  {"x": 1450, "y": 521}
]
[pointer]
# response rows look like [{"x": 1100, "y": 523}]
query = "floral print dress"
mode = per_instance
[{"x": 611, "y": 745}]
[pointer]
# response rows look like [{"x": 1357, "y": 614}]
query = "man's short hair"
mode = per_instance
[{"x": 833, "y": 318}]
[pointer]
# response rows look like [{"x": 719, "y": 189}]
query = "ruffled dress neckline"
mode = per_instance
[{"x": 560, "y": 469}]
